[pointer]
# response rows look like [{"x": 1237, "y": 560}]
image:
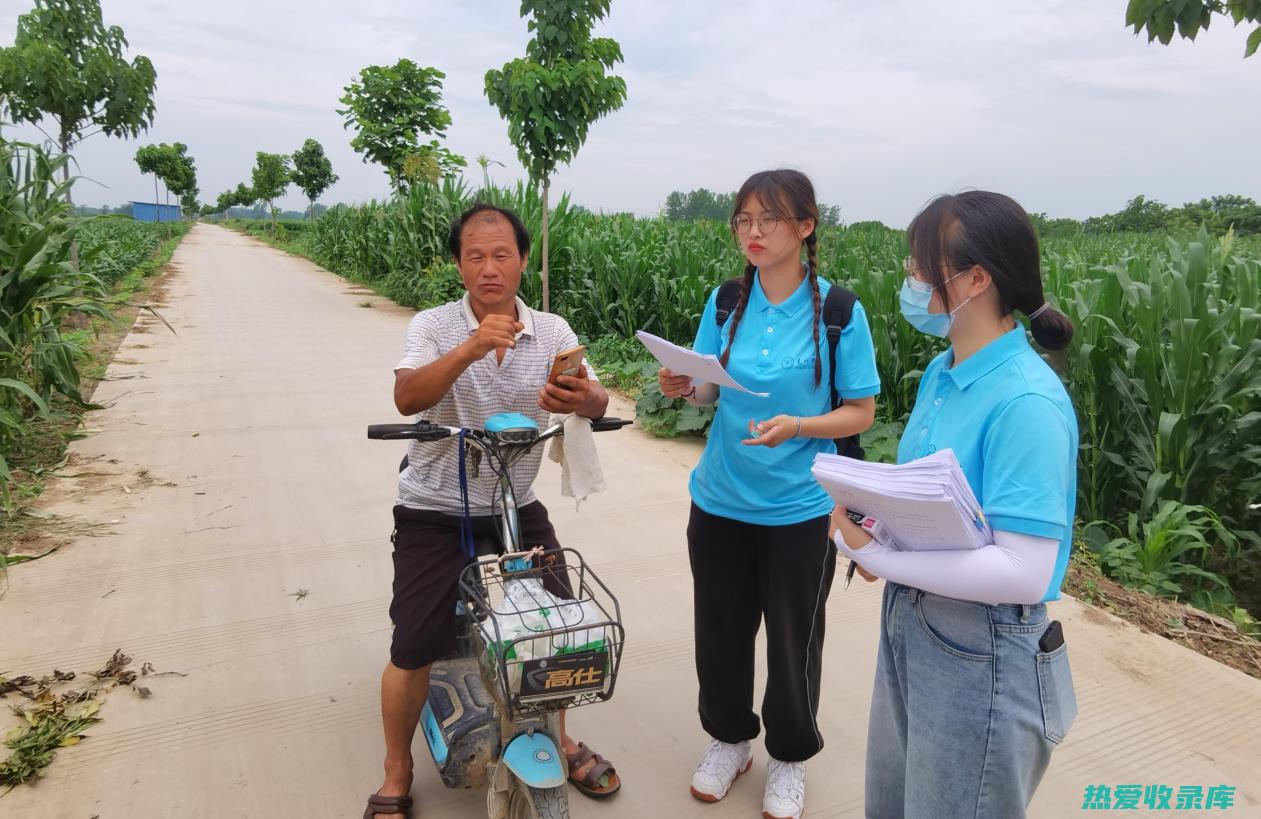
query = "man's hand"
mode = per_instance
[
  {"x": 774, "y": 432},
  {"x": 567, "y": 395},
  {"x": 673, "y": 386},
  {"x": 496, "y": 332}
]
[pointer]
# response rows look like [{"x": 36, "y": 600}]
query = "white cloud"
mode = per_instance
[{"x": 883, "y": 104}]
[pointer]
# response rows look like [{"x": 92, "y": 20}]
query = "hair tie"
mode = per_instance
[{"x": 1046, "y": 305}]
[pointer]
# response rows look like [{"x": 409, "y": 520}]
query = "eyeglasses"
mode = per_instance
[
  {"x": 908, "y": 265},
  {"x": 917, "y": 284},
  {"x": 766, "y": 223}
]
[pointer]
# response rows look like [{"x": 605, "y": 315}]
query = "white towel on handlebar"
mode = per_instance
[{"x": 580, "y": 473}]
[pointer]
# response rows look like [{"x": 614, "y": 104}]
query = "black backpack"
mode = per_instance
[{"x": 838, "y": 307}]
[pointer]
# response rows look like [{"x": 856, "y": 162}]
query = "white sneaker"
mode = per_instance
[
  {"x": 721, "y": 765},
  {"x": 785, "y": 790}
]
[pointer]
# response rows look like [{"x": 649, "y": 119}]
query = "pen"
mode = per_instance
[{"x": 858, "y": 518}]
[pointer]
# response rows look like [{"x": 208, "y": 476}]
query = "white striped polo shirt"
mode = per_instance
[{"x": 432, "y": 478}]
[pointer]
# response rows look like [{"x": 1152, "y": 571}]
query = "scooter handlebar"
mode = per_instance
[
  {"x": 427, "y": 431},
  {"x": 422, "y": 431}
]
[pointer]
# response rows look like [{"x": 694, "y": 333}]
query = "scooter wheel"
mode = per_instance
[{"x": 525, "y": 802}]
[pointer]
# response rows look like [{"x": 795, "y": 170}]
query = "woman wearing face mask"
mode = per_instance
[
  {"x": 973, "y": 689},
  {"x": 758, "y": 531}
]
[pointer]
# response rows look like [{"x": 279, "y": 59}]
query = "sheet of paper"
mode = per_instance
[{"x": 705, "y": 369}]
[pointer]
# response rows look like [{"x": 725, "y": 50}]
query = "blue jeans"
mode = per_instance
[{"x": 966, "y": 709}]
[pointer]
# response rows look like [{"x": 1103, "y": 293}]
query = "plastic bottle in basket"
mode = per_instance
[{"x": 575, "y": 613}]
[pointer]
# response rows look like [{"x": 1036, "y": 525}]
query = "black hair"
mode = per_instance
[
  {"x": 955, "y": 232},
  {"x": 518, "y": 228}
]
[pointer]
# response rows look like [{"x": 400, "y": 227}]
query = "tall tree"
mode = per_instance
[
  {"x": 186, "y": 188},
  {"x": 150, "y": 159},
  {"x": 675, "y": 204},
  {"x": 270, "y": 178},
  {"x": 390, "y": 107},
  {"x": 552, "y": 95},
  {"x": 704, "y": 205},
  {"x": 1161, "y": 18},
  {"x": 66, "y": 65},
  {"x": 172, "y": 164},
  {"x": 312, "y": 172},
  {"x": 701, "y": 203},
  {"x": 178, "y": 171},
  {"x": 243, "y": 195},
  {"x": 230, "y": 198},
  {"x": 181, "y": 169},
  {"x": 1221, "y": 213}
]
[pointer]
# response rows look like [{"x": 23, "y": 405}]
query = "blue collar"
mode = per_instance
[
  {"x": 985, "y": 360},
  {"x": 800, "y": 297}
]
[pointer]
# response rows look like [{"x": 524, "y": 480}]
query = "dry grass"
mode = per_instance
[
  {"x": 1207, "y": 634},
  {"x": 55, "y": 715}
]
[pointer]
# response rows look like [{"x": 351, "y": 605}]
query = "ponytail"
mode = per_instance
[{"x": 1051, "y": 329}]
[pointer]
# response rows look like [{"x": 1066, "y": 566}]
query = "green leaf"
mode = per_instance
[
  {"x": 26, "y": 390},
  {"x": 1254, "y": 41}
]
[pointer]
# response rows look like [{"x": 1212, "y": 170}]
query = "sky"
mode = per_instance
[{"x": 883, "y": 104}]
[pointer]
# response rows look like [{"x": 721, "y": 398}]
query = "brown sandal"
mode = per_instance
[
  {"x": 379, "y": 805},
  {"x": 589, "y": 784}
]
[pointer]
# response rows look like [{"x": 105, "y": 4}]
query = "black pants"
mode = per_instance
[{"x": 743, "y": 573}]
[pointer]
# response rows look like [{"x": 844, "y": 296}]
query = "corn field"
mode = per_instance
[
  {"x": 1165, "y": 368},
  {"x": 42, "y": 293}
]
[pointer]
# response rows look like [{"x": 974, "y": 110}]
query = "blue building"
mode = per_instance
[{"x": 149, "y": 212}]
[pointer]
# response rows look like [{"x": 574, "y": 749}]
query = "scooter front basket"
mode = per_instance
[{"x": 548, "y": 631}]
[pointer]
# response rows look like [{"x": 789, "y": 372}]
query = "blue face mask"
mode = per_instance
[{"x": 914, "y": 301}]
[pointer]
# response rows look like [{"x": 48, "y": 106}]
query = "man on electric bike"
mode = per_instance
[{"x": 463, "y": 362}]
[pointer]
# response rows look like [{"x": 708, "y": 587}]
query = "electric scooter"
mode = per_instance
[{"x": 492, "y": 715}]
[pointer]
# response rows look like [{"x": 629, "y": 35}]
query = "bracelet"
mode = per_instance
[
  {"x": 691, "y": 394},
  {"x": 798, "y": 432}
]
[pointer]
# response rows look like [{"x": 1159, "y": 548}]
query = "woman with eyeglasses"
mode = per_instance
[
  {"x": 973, "y": 689},
  {"x": 758, "y": 531}
]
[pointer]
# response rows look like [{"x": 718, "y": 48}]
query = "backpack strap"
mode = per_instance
[
  {"x": 728, "y": 297},
  {"x": 838, "y": 309}
]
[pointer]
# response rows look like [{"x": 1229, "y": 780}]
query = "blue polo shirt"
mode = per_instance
[
  {"x": 774, "y": 352},
  {"x": 1012, "y": 426}
]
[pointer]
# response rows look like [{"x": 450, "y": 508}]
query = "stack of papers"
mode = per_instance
[{"x": 923, "y": 505}]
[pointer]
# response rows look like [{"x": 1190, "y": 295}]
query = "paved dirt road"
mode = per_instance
[{"x": 258, "y": 482}]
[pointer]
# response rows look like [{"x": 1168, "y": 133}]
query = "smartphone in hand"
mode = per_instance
[{"x": 568, "y": 362}]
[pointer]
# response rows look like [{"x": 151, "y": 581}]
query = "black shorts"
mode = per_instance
[{"x": 428, "y": 559}]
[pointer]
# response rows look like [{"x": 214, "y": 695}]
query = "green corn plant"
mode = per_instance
[
  {"x": 1157, "y": 555},
  {"x": 39, "y": 290},
  {"x": 1165, "y": 375}
]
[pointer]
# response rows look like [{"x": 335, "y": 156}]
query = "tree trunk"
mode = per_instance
[
  {"x": 168, "y": 204},
  {"x": 65, "y": 170},
  {"x": 547, "y": 302},
  {"x": 156, "y": 209},
  {"x": 65, "y": 176}
]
